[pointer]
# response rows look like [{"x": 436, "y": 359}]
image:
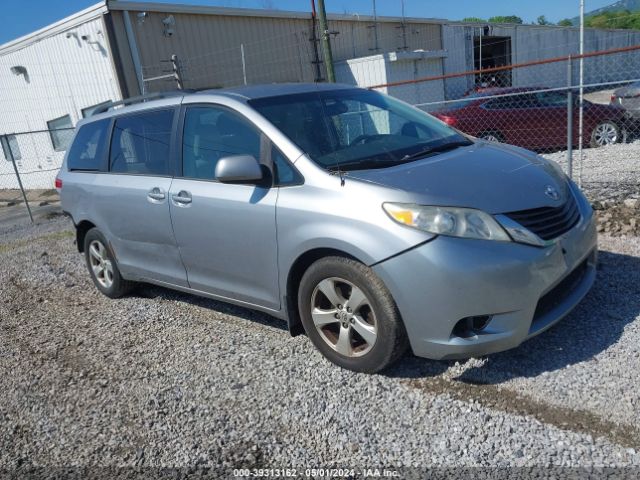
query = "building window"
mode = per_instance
[
  {"x": 10, "y": 147},
  {"x": 87, "y": 112},
  {"x": 61, "y": 131}
]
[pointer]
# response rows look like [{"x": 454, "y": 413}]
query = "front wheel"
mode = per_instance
[
  {"x": 350, "y": 316},
  {"x": 605, "y": 133}
]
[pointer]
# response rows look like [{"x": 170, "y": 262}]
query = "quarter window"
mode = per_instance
[
  {"x": 84, "y": 153},
  {"x": 140, "y": 143},
  {"x": 61, "y": 131},
  {"x": 211, "y": 133},
  {"x": 284, "y": 173}
]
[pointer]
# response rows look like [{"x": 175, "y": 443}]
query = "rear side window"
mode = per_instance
[
  {"x": 87, "y": 147},
  {"x": 140, "y": 143}
]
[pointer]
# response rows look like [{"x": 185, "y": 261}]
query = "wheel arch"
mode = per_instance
[
  {"x": 81, "y": 231},
  {"x": 294, "y": 275}
]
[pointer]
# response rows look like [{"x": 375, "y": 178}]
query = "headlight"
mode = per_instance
[{"x": 452, "y": 221}]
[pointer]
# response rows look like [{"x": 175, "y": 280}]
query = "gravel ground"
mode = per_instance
[
  {"x": 166, "y": 379},
  {"x": 608, "y": 173}
]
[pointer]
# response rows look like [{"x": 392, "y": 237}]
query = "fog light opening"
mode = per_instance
[{"x": 471, "y": 326}]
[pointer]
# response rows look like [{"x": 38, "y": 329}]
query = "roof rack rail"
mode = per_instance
[{"x": 139, "y": 99}]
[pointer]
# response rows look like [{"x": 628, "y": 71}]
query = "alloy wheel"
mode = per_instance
[
  {"x": 100, "y": 264},
  {"x": 605, "y": 134},
  {"x": 490, "y": 137},
  {"x": 343, "y": 316}
]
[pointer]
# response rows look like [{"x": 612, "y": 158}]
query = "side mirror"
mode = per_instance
[{"x": 238, "y": 169}]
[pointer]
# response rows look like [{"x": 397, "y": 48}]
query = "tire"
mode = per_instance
[
  {"x": 492, "y": 136},
  {"x": 366, "y": 338},
  {"x": 103, "y": 267},
  {"x": 605, "y": 133}
]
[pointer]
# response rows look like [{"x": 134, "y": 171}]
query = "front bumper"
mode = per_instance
[{"x": 523, "y": 289}]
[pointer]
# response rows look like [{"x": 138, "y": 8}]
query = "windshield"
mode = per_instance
[{"x": 356, "y": 129}]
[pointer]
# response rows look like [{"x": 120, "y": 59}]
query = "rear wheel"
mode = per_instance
[
  {"x": 350, "y": 316},
  {"x": 102, "y": 266},
  {"x": 605, "y": 133}
]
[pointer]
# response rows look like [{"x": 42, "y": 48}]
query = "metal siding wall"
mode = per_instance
[
  {"x": 276, "y": 49},
  {"x": 124, "y": 52},
  {"x": 530, "y": 43},
  {"x": 458, "y": 42},
  {"x": 208, "y": 47},
  {"x": 364, "y": 72},
  {"x": 357, "y": 38},
  {"x": 65, "y": 76}
]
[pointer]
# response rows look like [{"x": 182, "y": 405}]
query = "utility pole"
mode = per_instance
[
  {"x": 326, "y": 42},
  {"x": 376, "y": 46},
  {"x": 314, "y": 42},
  {"x": 403, "y": 27}
]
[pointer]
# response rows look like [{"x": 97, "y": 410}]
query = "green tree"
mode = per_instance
[
  {"x": 623, "y": 19},
  {"x": 542, "y": 20},
  {"x": 505, "y": 19},
  {"x": 474, "y": 20},
  {"x": 565, "y": 22}
]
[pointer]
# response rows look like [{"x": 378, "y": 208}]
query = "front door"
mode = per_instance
[{"x": 226, "y": 233}]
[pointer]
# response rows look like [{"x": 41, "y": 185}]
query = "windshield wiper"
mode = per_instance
[
  {"x": 437, "y": 149},
  {"x": 362, "y": 165}
]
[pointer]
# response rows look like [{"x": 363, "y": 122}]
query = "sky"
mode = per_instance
[{"x": 22, "y": 17}]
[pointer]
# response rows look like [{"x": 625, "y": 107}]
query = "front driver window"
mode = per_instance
[{"x": 211, "y": 133}]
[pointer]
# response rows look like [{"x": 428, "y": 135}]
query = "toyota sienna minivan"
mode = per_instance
[{"x": 362, "y": 221}]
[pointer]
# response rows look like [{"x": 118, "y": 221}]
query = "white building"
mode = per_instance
[{"x": 50, "y": 79}]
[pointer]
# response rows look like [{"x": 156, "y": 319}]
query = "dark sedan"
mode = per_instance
[{"x": 531, "y": 118}]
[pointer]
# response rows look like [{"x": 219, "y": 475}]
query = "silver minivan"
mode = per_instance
[{"x": 362, "y": 221}]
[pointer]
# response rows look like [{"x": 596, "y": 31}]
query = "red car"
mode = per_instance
[{"x": 532, "y": 119}]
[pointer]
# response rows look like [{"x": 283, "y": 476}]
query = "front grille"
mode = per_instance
[
  {"x": 560, "y": 292},
  {"x": 549, "y": 222}
]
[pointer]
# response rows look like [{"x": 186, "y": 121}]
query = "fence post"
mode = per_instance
[
  {"x": 569, "y": 118},
  {"x": 244, "y": 65},
  {"x": 176, "y": 71},
  {"x": 581, "y": 112},
  {"x": 7, "y": 148}
]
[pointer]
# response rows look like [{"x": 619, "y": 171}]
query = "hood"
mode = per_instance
[{"x": 490, "y": 177}]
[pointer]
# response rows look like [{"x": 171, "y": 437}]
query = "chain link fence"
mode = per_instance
[
  {"x": 28, "y": 167},
  {"x": 582, "y": 111},
  {"x": 592, "y": 129}
]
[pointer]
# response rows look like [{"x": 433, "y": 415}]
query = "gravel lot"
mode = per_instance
[
  {"x": 166, "y": 379},
  {"x": 608, "y": 173}
]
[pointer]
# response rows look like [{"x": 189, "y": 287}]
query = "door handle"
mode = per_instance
[
  {"x": 182, "y": 197},
  {"x": 156, "y": 194}
]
